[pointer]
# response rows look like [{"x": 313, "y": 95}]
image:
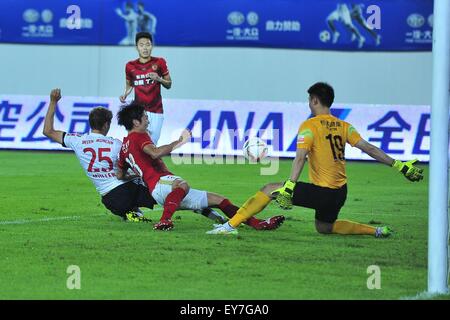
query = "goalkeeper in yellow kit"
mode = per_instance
[{"x": 322, "y": 139}]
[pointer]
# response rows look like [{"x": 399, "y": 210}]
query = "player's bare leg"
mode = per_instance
[
  {"x": 210, "y": 213},
  {"x": 270, "y": 187},
  {"x": 356, "y": 34},
  {"x": 333, "y": 29},
  {"x": 364, "y": 24}
]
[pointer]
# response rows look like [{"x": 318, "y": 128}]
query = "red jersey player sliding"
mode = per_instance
[{"x": 172, "y": 192}]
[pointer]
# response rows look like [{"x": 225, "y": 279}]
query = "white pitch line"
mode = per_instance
[{"x": 23, "y": 221}]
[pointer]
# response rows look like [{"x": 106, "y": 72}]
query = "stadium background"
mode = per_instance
[
  {"x": 207, "y": 66},
  {"x": 225, "y": 73}
]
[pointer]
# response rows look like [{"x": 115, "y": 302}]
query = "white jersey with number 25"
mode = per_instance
[{"x": 98, "y": 155}]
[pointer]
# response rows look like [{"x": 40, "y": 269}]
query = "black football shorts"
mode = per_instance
[
  {"x": 327, "y": 202},
  {"x": 126, "y": 197}
]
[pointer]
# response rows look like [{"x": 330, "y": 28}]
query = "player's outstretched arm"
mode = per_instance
[
  {"x": 120, "y": 13},
  {"x": 158, "y": 152},
  {"x": 49, "y": 131},
  {"x": 407, "y": 168},
  {"x": 374, "y": 152}
]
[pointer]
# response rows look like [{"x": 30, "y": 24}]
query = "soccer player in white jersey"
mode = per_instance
[{"x": 98, "y": 155}]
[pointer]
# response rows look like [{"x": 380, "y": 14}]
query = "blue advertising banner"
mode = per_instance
[
  {"x": 378, "y": 25},
  {"x": 220, "y": 127}
]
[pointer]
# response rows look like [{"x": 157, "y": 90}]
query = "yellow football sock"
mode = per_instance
[
  {"x": 350, "y": 227},
  {"x": 251, "y": 207}
]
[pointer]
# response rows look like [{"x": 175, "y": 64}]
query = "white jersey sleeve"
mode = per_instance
[{"x": 71, "y": 140}]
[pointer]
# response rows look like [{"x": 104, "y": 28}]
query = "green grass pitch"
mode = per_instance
[{"x": 51, "y": 217}]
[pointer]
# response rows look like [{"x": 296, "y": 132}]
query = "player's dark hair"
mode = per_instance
[
  {"x": 144, "y": 34},
  {"x": 322, "y": 91},
  {"x": 98, "y": 117},
  {"x": 128, "y": 113}
]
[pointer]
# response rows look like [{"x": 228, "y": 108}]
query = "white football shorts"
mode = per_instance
[
  {"x": 195, "y": 199},
  {"x": 155, "y": 125}
]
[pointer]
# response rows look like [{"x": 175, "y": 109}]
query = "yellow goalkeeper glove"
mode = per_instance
[
  {"x": 283, "y": 195},
  {"x": 408, "y": 169}
]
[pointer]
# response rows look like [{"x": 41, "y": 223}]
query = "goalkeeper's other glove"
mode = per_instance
[
  {"x": 408, "y": 169},
  {"x": 284, "y": 195}
]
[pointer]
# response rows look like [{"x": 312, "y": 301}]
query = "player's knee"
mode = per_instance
[
  {"x": 214, "y": 199},
  {"x": 181, "y": 184},
  {"x": 324, "y": 228}
]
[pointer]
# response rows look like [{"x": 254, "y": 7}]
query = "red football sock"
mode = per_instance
[
  {"x": 172, "y": 203},
  {"x": 230, "y": 210}
]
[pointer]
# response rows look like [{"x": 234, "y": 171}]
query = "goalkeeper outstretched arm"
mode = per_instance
[
  {"x": 407, "y": 168},
  {"x": 374, "y": 152}
]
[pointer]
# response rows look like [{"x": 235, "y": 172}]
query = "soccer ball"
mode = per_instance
[
  {"x": 255, "y": 149},
  {"x": 324, "y": 36}
]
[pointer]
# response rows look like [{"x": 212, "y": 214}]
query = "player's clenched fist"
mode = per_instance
[{"x": 55, "y": 95}]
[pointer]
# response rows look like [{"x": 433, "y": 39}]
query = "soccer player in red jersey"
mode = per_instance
[
  {"x": 172, "y": 192},
  {"x": 146, "y": 75}
]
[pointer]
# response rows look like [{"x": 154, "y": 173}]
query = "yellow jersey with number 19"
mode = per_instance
[{"x": 325, "y": 136}]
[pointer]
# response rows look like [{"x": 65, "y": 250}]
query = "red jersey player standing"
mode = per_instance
[{"x": 146, "y": 75}]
